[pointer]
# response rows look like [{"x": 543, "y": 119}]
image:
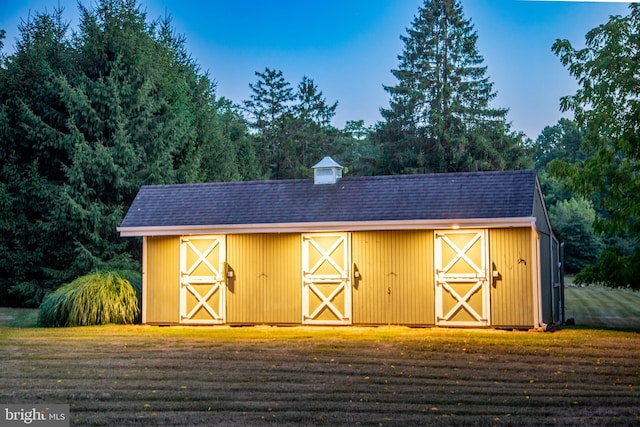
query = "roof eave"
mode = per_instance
[{"x": 299, "y": 227}]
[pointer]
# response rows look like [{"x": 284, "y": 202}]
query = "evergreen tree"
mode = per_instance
[
  {"x": 32, "y": 155},
  {"x": 312, "y": 133},
  {"x": 230, "y": 152},
  {"x": 312, "y": 106},
  {"x": 130, "y": 123},
  {"x": 270, "y": 109},
  {"x": 362, "y": 156},
  {"x": 292, "y": 127},
  {"x": 87, "y": 119},
  {"x": 440, "y": 117}
]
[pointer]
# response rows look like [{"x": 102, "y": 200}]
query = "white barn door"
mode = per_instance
[
  {"x": 462, "y": 293},
  {"x": 326, "y": 284},
  {"x": 202, "y": 281}
]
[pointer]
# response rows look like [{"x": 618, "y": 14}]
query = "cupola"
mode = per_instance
[{"x": 327, "y": 171}]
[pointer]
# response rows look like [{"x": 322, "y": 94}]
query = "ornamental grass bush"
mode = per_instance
[{"x": 95, "y": 299}]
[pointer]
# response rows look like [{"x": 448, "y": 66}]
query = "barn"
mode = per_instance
[{"x": 454, "y": 250}]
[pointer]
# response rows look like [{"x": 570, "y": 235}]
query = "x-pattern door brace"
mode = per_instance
[
  {"x": 202, "y": 258},
  {"x": 326, "y": 301},
  {"x": 461, "y": 254},
  {"x": 202, "y": 301},
  {"x": 462, "y": 301},
  {"x": 326, "y": 256}
]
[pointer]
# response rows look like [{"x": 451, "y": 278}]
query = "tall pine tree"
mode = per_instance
[
  {"x": 440, "y": 117},
  {"x": 292, "y": 127},
  {"x": 85, "y": 120},
  {"x": 270, "y": 111},
  {"x": 32, "y": 153}
]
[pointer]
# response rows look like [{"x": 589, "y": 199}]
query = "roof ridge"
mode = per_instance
[
  {"x": 208, "y": 183},
  {"x": 350, "y": 178}
]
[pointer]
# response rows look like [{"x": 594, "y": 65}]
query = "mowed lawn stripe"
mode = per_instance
[
  {"x": 596, "y": 306},
  {"x": 389, "y": 376},
  {"x": 474, "y": 391}
]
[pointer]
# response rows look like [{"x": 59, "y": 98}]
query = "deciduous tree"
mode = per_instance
[
  {"x": 573, "y": 220},
  {"x": 607, "y": 107}
]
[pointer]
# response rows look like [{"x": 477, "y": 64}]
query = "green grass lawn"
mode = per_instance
[
  {"x": 387, "y": 376},
  {"x": 300, "y": 376},
  {"x": 18, "y": 317},
  {"x": 600, "y": 307}
]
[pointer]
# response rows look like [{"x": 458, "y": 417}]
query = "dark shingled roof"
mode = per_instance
[{"x": 474, "y": 195}]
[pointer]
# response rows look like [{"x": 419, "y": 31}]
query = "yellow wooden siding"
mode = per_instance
[
  {"x": 163, "y": 279},
  {"x": 396, "y": 284},
  {"x": 512, "y": 301},
  {"x": 266, "y": 284}
]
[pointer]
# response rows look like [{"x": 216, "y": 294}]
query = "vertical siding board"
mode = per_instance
[
  {"x": 511, "y": 296},
  {"x": 289, "y": 260},
  {"x": 283, "y": 268},
  {"x": 360, "y": 311},
  {"x": 163, "y": 279},
  {"x": 546, "y": 280},
  {"x": 266, "y": 287},
  {"x": 366, "y": 293},
  {"x": 499, "y": 300},
  {"x": 145, "y": 268},
  {"x": 237, "y": 303},
  {"x": 429, "y": 274},
  {"x": 397, "y": 277}
]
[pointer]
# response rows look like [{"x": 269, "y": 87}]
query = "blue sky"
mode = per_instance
[{"x": 349, "y": 46}]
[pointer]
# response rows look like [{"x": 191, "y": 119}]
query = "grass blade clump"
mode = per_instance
[{"x": 95, "y": 299}]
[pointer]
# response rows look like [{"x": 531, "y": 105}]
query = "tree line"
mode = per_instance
[{"x": 88, "y": 116}]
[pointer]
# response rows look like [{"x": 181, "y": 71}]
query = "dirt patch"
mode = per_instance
[{"x": 303, "y": 376}]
